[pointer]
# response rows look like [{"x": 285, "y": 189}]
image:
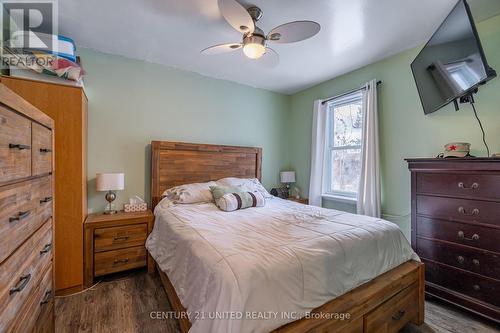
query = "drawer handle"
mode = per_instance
[
  {"x": 121, "y": 238},
  {"x": 46, "y": 248},
  {"x": 23, "y": 281},
  {"x": 121, "y": 261},
  {"x": 45, "y": 150},
  {"x": 45, "y": 200},
  {"x": 472, "y": 187},
  {"x": 474, "y": 237},
  {"x": 18, "y": 146},
  {"x": 475, "y": 262},
  {"x": 476, "y": 287},
  {"x": 46, "y": 298},
  {"x": 460, "y": 259},
  {"x": 19, "y": 216},
  {"x": 398, "y": 315},
  {"x": 462, "y": 210}
]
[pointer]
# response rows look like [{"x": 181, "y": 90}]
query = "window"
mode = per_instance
[
  {"x": 343, "y": 146},
  {"x": 462, "y": 74}
]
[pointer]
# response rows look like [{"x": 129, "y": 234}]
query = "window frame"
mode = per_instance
[{"x": 330, "y": 147}]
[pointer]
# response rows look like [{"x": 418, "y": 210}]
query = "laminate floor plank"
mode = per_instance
[{"x": 124, "y": 305}]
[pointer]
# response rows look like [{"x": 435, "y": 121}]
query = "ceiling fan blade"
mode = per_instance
[
  {"x": 270, "y": 59},
  {"x": 222, "y": 48},
  {"x": 236, "y": 15},
  {"x": 292, "y": 32}
]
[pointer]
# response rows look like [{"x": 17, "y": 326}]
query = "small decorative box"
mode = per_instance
[{"x": 140, "y": 207}]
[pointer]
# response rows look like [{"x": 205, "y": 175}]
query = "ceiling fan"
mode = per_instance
[{"x": 254, "y": 41}]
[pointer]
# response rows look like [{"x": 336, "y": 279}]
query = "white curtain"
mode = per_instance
[
  {"x": 369, "y": 183},
  {"x": 317, "y": 153}
]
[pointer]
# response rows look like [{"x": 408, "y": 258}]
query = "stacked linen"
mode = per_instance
[
  {"x": 57, "y": 60},
  {"x": 57, "y": 45}
]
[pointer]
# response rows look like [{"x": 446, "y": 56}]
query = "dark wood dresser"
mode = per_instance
[{"x": 455, "y": 229}]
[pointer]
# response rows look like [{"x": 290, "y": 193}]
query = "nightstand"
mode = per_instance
[
  {"x": 115, "y": 243},
  {"x": 304, "y": 201}
]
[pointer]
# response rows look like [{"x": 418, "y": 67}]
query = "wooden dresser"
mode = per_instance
[
  {"x": 67, "y": 105},
  {"x": 26, "y": 223},
  {"x": 456, "y": 230}
]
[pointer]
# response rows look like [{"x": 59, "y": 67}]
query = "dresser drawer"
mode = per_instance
[
  {"x": 120, "y": 237},
  {"x": 37, "y": 313},
  {"x": 459, "y": 233},
  {"x": 475, "y": 186},
  {"x": 473, "y": 260},
  {"x": 119, "y": 260},
  {"x": 459, "y": 209},
  {"x": 470, "y": 284},
  {"x": 41, "y": 157},
  {"x": 22, "y": 211},
  {"x": 15, "y": 146},
  {"x": 392, "y": 315},
  {"x": 42, "y": 192},
  {"x": 21, "y": 273},
  {"x": 45, "y": 321}
]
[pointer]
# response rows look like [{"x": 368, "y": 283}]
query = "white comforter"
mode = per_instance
[{"x": 256, "y": 269}]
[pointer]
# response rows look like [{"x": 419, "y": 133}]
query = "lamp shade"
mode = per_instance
[
  {"x": 287, "y": 176},
  {"x": 110, "y": 181}
]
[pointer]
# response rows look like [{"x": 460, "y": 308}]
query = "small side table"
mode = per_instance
[
  {"x": 115, "y": 243},
  {"x": 304, "y": 201}
]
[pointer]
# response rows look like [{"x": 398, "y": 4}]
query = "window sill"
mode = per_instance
[{"x": 339, "y": 198}]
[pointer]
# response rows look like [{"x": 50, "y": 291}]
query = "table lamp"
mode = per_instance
[
  {"x": 287, "y": 177},
  {"x": 110, "y": 182}
]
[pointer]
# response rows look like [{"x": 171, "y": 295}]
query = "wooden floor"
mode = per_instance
[{"x": 124, "y": 305}]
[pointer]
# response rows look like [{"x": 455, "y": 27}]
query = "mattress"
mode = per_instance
[{"x": 256, "y": 269}]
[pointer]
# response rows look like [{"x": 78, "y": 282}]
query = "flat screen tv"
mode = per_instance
[{"x": 452, "y": 64}]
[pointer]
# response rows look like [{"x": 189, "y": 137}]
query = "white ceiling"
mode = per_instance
[{"x": 353, "y": 33}]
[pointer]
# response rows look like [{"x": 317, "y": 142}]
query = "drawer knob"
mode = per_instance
[
  {"x": 398, "y": 315},
  {"x": 460, "y": 259},
  {"x": 121, "y": 238},
  {"x": 474, "y": 237},
  {"x": 475, "y": 262},
  {"x": 45, "y": 150},
  {"x": 46, "y": 298},
  {"x": 121, "y": 261},
  {"x": 476, "y": 287},
  {"x": 23, "y": 281},
  {"x": 462, "y": 210},
  {"x": 19, "y": 216},
  {"x": 18, "y": 146},
  {"x": 472, "y": 187},
  {"x": 46, "y": 248},
  {"x": 45, "y": 200}
]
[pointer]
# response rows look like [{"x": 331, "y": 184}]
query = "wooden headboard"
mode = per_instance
[{"x": 178, "y": 163}]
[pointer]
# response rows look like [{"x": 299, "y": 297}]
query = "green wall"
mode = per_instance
[
  {"x": 133, "y": 102},
  {"x": 404, "y": 129}
]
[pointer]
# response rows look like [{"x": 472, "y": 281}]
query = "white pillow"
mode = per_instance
[
  {"x": 190, "y": 193},
  {"x": 245, "y": 184}
]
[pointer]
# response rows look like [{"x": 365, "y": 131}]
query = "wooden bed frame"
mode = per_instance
[{"x": 383, "y": 305}]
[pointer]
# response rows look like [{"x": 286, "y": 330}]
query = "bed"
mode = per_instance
[{"x": 285, "y": 267}]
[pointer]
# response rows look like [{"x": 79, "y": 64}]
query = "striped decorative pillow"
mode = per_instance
[{"x": 239, "y": 200}]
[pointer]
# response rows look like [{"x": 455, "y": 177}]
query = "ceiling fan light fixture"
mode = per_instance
[
  {"x": 254, "y": 50},
  {"x": 254, "y": 46}
]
